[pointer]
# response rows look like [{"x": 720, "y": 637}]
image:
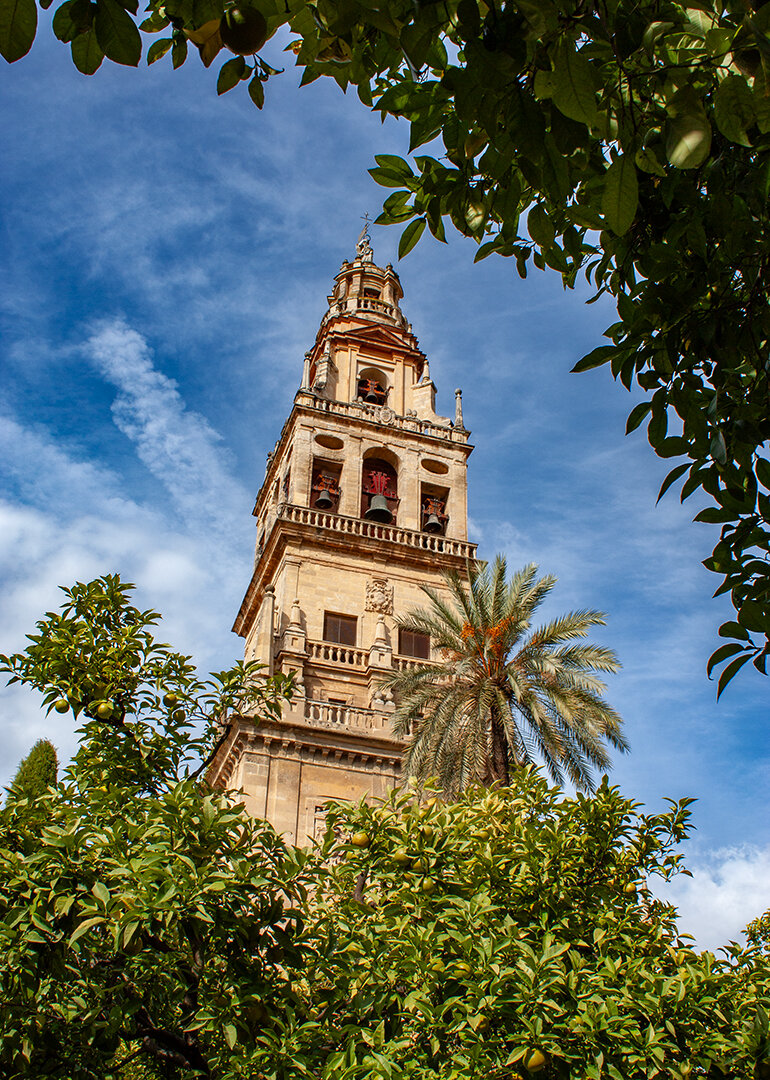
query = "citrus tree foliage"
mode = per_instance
[
  {"x": 141, "y": 914},
  {"x": 150, "y": 928},
  {"x": 626, "y": 139},
  {"x": 514, "y": 932},
  {"x": 37, "y": 771},
  {"x": 501, "y": 690}
]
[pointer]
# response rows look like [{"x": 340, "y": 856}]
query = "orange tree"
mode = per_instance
[
  {"x": 514, "y": 932},
  {"x": 626, "y": 139},
  {"x": 141, "y": 913},
  {"x": 150, "y": 928}
]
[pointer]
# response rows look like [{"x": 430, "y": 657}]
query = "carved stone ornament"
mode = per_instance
[
  {"x": 379, "y": 596},
  {"x": 387, "y": 416}
]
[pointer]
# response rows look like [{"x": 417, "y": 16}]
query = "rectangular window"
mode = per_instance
[
  {"x": 341, "y": 629},
  {"x": 412, "y": 644}
]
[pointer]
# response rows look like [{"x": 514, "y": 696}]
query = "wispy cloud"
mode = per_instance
[{"x": 178, "y": 446}]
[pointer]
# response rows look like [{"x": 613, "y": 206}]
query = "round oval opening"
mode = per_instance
[
  {"x": 438, "y": 468},
  {"x": 331, "y": 442}
]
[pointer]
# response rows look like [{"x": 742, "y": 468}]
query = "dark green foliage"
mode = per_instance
[
  {"x": 629, "y": 141},
  {"x": 149, "y": 928},
  {"x": 37, "y": 772}
]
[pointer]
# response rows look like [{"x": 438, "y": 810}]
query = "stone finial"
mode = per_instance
[
  {"x": 425, "y": 372},
  {"x": 380, "y": 634},
  {"x": 306, "y": 373},
  {"x": 295, "y": 620},
  {"x": 459, "y": 409}
]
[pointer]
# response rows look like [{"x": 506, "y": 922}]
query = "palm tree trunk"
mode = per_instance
[{"x": 499, "y": 760}]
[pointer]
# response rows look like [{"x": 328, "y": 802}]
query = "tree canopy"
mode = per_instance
[
  {"x": 36, "y": 772},
  {"x": 150, "y": 928},
  {"x": 623, "y": 139}
]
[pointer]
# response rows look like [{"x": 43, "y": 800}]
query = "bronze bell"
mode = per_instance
[
  {"x": 433, "y": 524},
  {"x": 324, "y": 500},
  {"x": 372, "y": 397},
  {"x": 379, "y": 510}
]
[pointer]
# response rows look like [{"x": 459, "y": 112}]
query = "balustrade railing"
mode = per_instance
[
  {"x": 304, "y": 515},
  {"x": 348, "y": 717},
  {"x": 383, "y": 414},
  {"x": 326, "y": 652}
]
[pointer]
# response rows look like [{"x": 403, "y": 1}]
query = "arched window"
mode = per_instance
[
  {"x": 379, "y": 491},
  {"x": 372, "y": 387}
]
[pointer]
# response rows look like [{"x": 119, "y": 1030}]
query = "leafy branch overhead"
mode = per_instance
[{"x": 627, "y": 141}]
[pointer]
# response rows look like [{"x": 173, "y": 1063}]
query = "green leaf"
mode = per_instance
[
  {"x": 718, "y": 448},
  {"x": 395, "y": 165},
  {"x": 730, "y": 671},
  {"x": 18, "y": 26},
  {"x": 178, "y": 52},
  {"x": 672, "y": 477},
  {"x": 574, "y": 91},
  {"x": 724, "y": 652},
  {"x": 231, "y": 1035},
  {"x": 230, "y": 74},
  {"x": 636, "y": 416},
  {"x": 753, "y": 616},
  {"x": 621, "y": 195},
  {"x": 410, "y": 236},
  {"x": 735, "y": 630},
  {"x": 734, "y": 109},
  {"x": 595, "y": 358},
  {"x": 117, "y": 34},
  {"x": 84, "y": 927},
  {"x": 87, "y": 55},
  {"x": 158, "y": 49},
  {"x": 688, "y": 140},
  {"x": 257, "y": 91},
  {"x": 539, "y": 226}
]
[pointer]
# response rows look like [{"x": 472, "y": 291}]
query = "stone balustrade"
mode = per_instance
[
  {"x": 327, "y": 653},
  {"x": 383, "y": 414},
  {"x": 348, "y": 717},
  {"x": 319, "y": 519}
]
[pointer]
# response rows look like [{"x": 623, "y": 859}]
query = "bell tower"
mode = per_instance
[{"x": 363, "y": 501}]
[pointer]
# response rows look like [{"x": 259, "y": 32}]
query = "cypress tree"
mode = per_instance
[{"x": 37, "y": 771}]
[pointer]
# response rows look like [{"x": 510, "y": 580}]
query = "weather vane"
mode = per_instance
[{"x": 363, "y": 247}]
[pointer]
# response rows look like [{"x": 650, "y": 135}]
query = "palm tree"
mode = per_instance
[{"x": 500, "y": 693}]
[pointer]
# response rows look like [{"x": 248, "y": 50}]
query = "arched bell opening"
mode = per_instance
[
  {"x": 372, "y": 387},
  {"x": 433, "y": 515},
  {"x": 325, "y": 490},
  {"x": 379, "y": 491}
]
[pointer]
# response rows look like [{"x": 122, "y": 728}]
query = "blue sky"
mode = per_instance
[{"x": 167, "y": 255}]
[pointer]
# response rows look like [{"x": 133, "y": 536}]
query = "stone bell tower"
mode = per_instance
[{"x": 364, "y": 500}]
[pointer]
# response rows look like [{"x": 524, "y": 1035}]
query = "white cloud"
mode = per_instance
[
  {"x": 70, "y": 519},
  {"x": 178, "y": 446},
  {"x": 728, "y": 889}
]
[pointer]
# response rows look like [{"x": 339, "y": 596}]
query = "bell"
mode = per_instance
[
  {"x": 372, "y": 397},
  {"x": 379, "y": 510},
  {"x": 324, "y": 500},
  {"x": 432, "y": 525}
]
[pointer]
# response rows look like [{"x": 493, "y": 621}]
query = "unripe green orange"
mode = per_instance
[
  {"x": 105, "y": 710},
  {"x": 428, "y": 886},
  {"x": 535, "y": 1062},
  {"x": 360, "y": 840},
  {"x": 243, "y": 30},
  {"x": 62, "y": 705},
  {"x": 169, "y": 700}
]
